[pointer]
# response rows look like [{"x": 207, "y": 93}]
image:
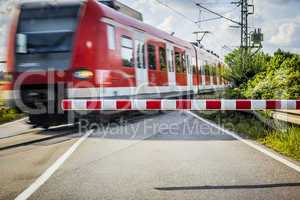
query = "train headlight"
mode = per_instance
[{"x": 83, "y": 74}]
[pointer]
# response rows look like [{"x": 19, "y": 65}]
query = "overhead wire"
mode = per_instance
[
  {"x": 174, "y": 10},
  {"x": 189, "y": 19},
  {"x": 215, "y": 13},
  {"x": 220, "y": 16},
  {"x": 216, "y": 18}
]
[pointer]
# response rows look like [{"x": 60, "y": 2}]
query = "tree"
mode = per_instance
[
  {"x": 279, "y": 80},
  {"x": 240, "y": 70}
]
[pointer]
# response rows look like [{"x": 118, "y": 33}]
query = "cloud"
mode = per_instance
[
  {"x": 286, "y": 33},
  {"x": 167, "y": 24}
]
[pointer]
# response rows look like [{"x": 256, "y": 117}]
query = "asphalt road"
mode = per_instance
[
  {"x": 14, "y": 128},
  {"x": 167, "y": 156}
]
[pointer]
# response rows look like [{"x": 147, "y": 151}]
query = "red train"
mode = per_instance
[{"x": 85, "y": 49}]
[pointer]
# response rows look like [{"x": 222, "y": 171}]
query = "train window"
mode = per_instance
[
  {"x": 151, "y": 57},
  {"x": 178, "y": 62},
  {"x": 205, "y": 70},
  {"x": 169, "y": 60},
  {"x": 194, "y": 63},
  {"x": 217, "y": 70},
  {"x": 111, "y": 37},
  {"x": 188, "y": 65},
  {"x": 183, "y": 63},
  {"x": 127, "y": 51},
  {"x": 170, "y": 55},
  {"x": 162, "y": 59},
  {"x": 172, "y": 60},
  {"x": 140, "y": 54},
  {"x": 44, "y": 37},
  {"x": 194, "y": 69}
]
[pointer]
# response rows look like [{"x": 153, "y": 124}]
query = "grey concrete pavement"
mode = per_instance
[{"x": 170, "y": 156}]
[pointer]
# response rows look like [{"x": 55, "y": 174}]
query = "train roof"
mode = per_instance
[
  {"x": 131, "y": 22},
  {"x": 38, "y": 3},
  {"x": 121, "y": 18}
]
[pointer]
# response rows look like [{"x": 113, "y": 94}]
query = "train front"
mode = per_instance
[{"x": 40, "y": 57}]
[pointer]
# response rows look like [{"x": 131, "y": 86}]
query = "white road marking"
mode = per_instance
[
  {"x": 13, "y": 122},
  {"x": 251, "y": 144},
  {"x": 51, "y": 170}
]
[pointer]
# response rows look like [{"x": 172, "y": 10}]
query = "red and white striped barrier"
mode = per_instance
[{"x": 154, "y": 104}]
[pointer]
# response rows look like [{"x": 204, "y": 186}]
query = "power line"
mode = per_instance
[
  {"x": 215, "y": 3},
  {"x": 215, "y": 13},
  {"x": 206, "y": 20},
  {"x": 230, "y": 11},
  {"x": 216, "y": 18},
  {"x": 176, "y": 11},
  {"x": 183, "y": 15},
  {"x": 220, "y": 16}
]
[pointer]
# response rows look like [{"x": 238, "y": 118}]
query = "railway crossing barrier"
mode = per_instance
[{"x": 179, "y": 104}]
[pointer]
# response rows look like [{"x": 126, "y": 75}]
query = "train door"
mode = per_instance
[
  {"x": 171, "y": 65},
  {"x": 201, "y": 63},
  {"x": 202, "y": 71},
  {"x": 195, "y": 74},
  {"x": 180, "y": 66},
  {"x": 140, "y": 63},
  {"x": 189, "y": 71},
  {"x": 163, "y": 68}
]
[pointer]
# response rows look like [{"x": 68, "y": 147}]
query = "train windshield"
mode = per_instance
[
  {"x": 44, "y": 38},
  {"x": 48, "y": 42}
]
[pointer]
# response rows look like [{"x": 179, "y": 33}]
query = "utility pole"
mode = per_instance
[
  {"x": 245, "y": 38},
  {"x": 250, "y": 40},
  {"x": 244, "y": 24}
]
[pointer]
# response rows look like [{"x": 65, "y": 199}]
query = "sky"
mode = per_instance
[{"x": 278, "y": 19}]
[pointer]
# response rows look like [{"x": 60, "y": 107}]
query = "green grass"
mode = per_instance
[
  {"x": 279, "y": 136},
  {"x": 2, "y": 103},
  {"x": 7, "y": 115},
  {"x": 286, "y": 142},
  {"x": 244, "y": 123}
]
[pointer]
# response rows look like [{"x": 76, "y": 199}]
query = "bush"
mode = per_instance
[
  {"x": 242, "y": 68},
  {"x": 233, "y": 93},
  {"x": 281, "y": 80},
  {"x": 7, "y": 115},
  {"x": 263, "y": 76}
]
